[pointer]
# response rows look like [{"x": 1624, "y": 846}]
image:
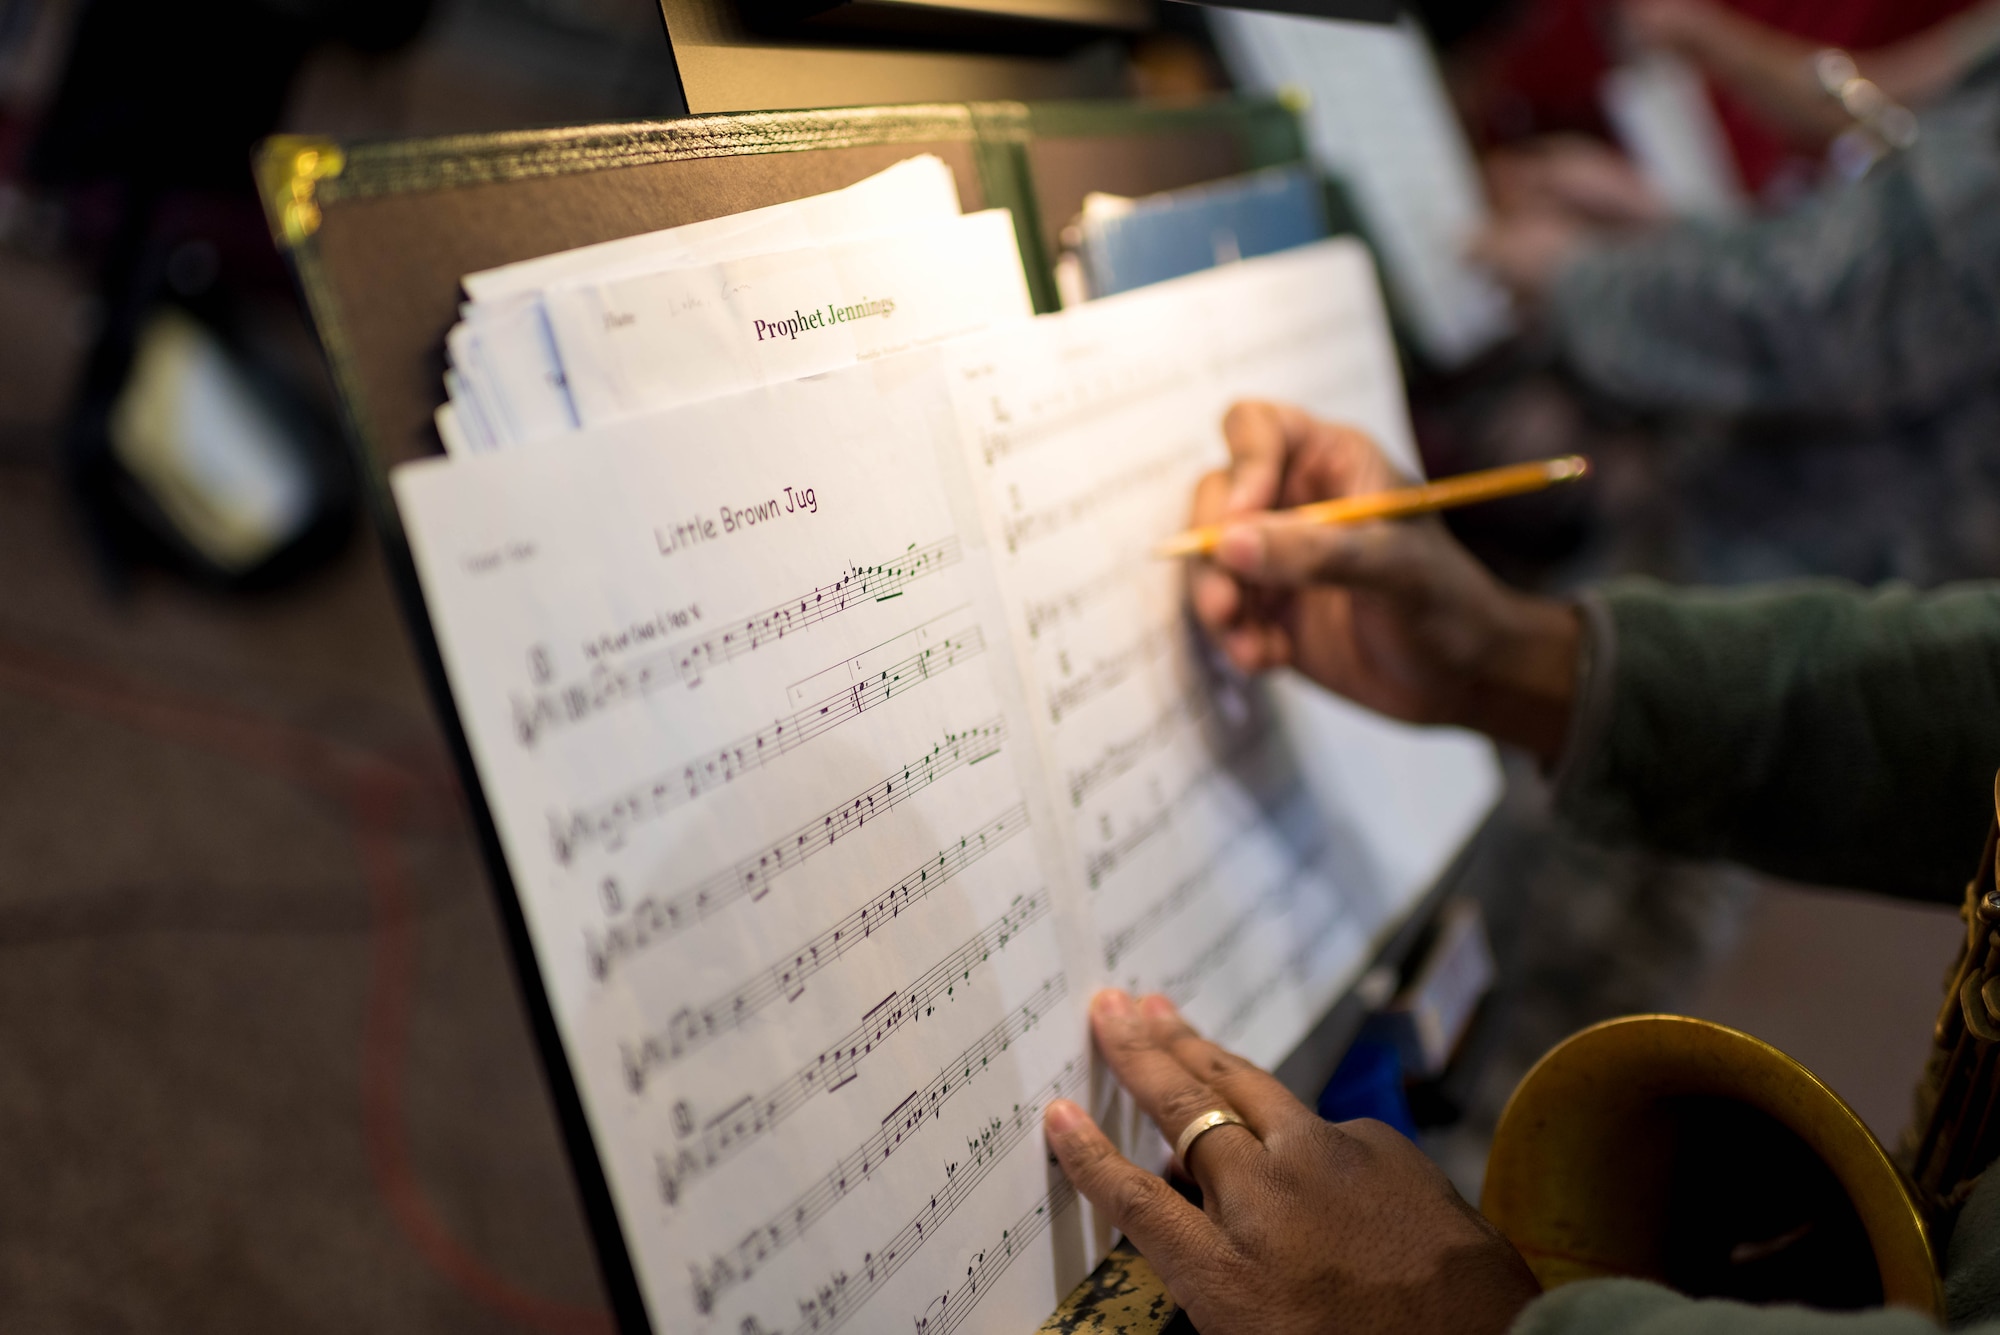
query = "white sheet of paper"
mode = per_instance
[
  {"x": 1249, "y": 889},
  {"x": 760, "y": 785},
  {"x": 1663, "y": 117},
  {"x": 1377, "y": 116},
  {"x": 510, "y": 352},
  {"x": 508, "y": 359},
  {"x": 842, "y": 738},
  {"x": 650, "y": 341},
  {"x": 917, "y": 189}
]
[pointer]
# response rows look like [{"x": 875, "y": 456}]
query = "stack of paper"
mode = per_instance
[
  {"x": 551, "y": 346},
  {"x": 842, "y": 737}
]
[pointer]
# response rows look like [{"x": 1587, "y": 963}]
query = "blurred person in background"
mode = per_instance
[
  {"x": 1853, "y": 340},
  {"x": 1537, "y": 69},
  {"x": 1772, "y": 72}
]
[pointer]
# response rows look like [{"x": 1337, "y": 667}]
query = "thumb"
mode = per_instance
[{"x": 1290, "y": 553}]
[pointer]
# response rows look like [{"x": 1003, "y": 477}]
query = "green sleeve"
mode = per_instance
[
  {"x": 1633, "y": 1307},
  {"x": 1813, "y": 730}
]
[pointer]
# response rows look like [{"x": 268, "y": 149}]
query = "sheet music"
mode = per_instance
[
  {"x": 842, "y": 738},
  {"x": 1216, "y": 867},
  {"x": 1377, "y": 116},
  {"x": 739, "y": 697},
  {"x": 644, "y": 342},
  {"x": 505, "y": 343}
]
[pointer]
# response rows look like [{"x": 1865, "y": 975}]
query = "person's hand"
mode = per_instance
[
  {"x": 1395, "y": 616},
  {"x": 1526, "y": 249},
  {"x": 1773, "y": 70},
  {"x": 1304, "y": 1225},
  {"x": 1572, "y": 176},
  {"x": 1769, "y": 69}
]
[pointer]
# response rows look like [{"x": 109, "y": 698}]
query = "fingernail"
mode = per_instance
[
  {"x": 1243, "y": 494},
  {"x": 1241, "y": 549},
  {"x": 1112, "y": 1004},
  {"x": 1062, "y": 1117},
  {"x": 1159, "y": 1008}
]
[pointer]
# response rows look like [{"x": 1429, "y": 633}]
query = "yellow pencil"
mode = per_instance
[{"x": 1489, "y": 484}]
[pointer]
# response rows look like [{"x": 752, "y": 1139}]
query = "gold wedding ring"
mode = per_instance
[{"x": 1199, "y": 1127}]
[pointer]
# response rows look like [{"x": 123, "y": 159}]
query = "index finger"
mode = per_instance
[
  {"x": 1333, "y": 459},
  {"x": 1262, "y": 1099},
  {"x": 1169, "y": 1093},
  {"x": 1280, "y": 455},
  {"x": 1261, "y": 437}
]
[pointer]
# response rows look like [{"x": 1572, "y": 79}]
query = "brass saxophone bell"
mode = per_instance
[{"x": 1667, "y": 1148}]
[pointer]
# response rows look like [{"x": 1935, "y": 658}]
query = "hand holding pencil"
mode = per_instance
[{"x": 1395, "y": 616}]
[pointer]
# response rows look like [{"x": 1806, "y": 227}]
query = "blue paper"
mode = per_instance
[{"x": 1185, "y": 231}]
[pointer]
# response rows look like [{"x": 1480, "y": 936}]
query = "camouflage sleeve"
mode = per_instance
[{"x": 1881, "y": 296}]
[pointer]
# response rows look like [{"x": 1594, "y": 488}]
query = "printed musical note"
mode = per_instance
[
  {"x": 612, "y": 682},
  {"x": 1184, "y": 982},
  {"x": 728, "y": 1269},
  {"x": 1099, "y": 864},
  {"x": 861, "y": 667},
  {"x": 1103, "y": 861},
  {"x": 608, "y": 822},
  {"x": 1289, "y": 976},
  {"x": 1334, "y": 335},
  {"x": 694, "y": 1027},
  {"x": 1073, "y": 406},
  {"x": 1120, "y": 754},
  {"x": 748, "y": 1118},
  {"x": 1107, "y": 672},
  {"x": 652, "y": 919},
  {"x": 1170, "y": 469},
  {"x": 1043, "y": 613},
  {"x": 1183, "y": 892},
  {"x": 1190, "y": 887},
  {"x": 845, "y": 1293},
  {"x": 949, "y": 1310}
]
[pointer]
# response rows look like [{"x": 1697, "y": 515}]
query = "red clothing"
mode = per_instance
[{"x": 1554, "y": 56}]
